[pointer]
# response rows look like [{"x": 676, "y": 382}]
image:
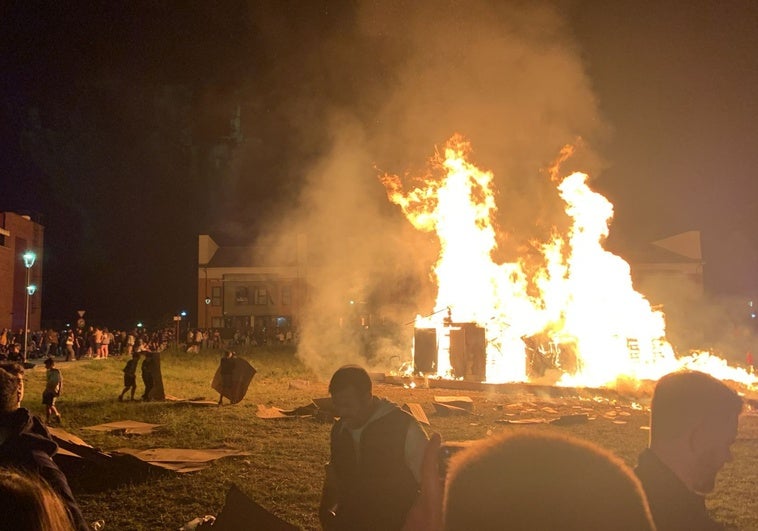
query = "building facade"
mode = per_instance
[
  {"x": 676, "y": 262},
  {"x": 240, "y": 289},
  {"x": 18, "y": 234}
]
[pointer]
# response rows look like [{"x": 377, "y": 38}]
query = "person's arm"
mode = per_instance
[
  {"x": 415, "y": 447},
  {"x": 57, "y": 480},
  {"x": 426, "y": 512},
  {"x": 328, "y": 507}
]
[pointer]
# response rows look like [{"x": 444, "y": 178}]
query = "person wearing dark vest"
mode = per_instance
[
  {"x": 693, "y": 423},
  {"x": 372, "y": 478}
]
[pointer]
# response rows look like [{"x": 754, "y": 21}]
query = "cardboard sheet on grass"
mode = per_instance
[
  {"x": 322, "y": 408},
  {"x": 72, "y": 446},
  {"x": 125, "y": 427},
  {"x": 199, "y": 401},
  {"x": 93, "y": 470},
  {"x": 242, "y": 375},
  {"x": 181, "y": 459},
  {"x": 273, "y": 412},
  {"x": 453, "y": 405},
  {"x": 240, "y": 512}
]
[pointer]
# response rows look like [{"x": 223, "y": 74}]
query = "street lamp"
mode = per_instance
[
  {"x": 183, "y": 315},
  {"x": 29, "y": 258}
]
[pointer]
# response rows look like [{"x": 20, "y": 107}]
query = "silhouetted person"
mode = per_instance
[
  {"x": 130, "y": 376},
  {"x": 53, "y": 388},
  {"x": 693, "y": 423}
]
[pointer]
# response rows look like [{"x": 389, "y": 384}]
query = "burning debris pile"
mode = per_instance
[{"x": 575, "y": 317}]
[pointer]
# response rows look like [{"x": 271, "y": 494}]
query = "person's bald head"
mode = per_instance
[
  {"x": 539, "y": 481},
  {"x": 693, "y": 423},
  {"x": 682, "y": 400}
]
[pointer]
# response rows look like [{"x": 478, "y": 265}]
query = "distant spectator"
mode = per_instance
[
  {"x": 50, "y": 343},
  {"x": 97, "y": 342},
  {"x": 70, "y": 340},
  {"x": 130, "y": 340},
  {"x": 130, "y": 377},
  {"x": 53, "y": 388},
  {"x": 105, "y": 343},
  {"x": 693, "y": 423},
  {"x": 4, "y": 340}
]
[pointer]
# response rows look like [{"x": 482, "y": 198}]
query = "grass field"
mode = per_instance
[{"x": 285, "y": 467}]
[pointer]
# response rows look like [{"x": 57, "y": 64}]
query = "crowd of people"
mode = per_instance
[
  {"x": 101, "y": 342},
  {"x": 71, "y": 344},
  {"x": 386, "y": 473},
  {"x": 383, "y": 473}
]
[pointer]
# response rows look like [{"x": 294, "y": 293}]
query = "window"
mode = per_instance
[
  {"x": 240, "y": 295},
  {"x": 286, "y": 295},
  {"x": 216, "y": 296},
  {"x": 261, "y": 296},
  {"x": 217, "y": 322}
]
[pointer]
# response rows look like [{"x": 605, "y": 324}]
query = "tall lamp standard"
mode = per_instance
[{"x": 29, "y": 258}]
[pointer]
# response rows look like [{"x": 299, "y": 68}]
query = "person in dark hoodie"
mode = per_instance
[
  {"x": 25, "y": 443},
  {"x": 373, "y": 474}
]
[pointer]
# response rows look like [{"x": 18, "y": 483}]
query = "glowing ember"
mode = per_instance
[{"x": 577, "y": 317}]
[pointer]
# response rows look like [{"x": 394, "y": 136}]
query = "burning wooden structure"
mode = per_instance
[{"x": 459, "y": 347}]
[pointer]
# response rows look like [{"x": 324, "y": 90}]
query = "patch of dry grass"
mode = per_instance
[{"x": 285, "y": 469}]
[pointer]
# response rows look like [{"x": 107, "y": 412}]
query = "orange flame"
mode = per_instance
[{"x": 585, "y": 302}]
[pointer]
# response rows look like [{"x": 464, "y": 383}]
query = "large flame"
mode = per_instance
[{"x": 581, "y": 298}]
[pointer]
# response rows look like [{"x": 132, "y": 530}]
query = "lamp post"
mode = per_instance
[
  {"x": 29, "y": 258},
  {"x": 207, "y": 299},
  {"x": 183, "y": 315}
]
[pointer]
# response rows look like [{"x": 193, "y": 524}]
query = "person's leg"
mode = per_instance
[
  {"x": 134, "y": 388},
  {"x": 148, "y": 388}
]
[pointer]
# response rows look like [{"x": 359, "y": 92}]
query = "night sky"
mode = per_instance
[{"x": 118, "y": 123}]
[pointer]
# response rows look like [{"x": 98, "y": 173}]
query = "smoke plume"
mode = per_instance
[{"x": 385, "y": 87}]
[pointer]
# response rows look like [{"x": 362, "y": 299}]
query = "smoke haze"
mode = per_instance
[{"x": 381, "y": 92}]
